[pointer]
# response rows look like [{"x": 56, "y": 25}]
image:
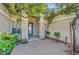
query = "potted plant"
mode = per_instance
[{"x": 57, "y": 35}]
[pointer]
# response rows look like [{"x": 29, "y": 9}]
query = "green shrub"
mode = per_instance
[
  {"x": 47, "y": 33},
  {"x": 7, "y": 42},
  {"x": 57, "y": 35}
]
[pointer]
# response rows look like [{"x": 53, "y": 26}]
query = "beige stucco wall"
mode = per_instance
[
  {"x": 63, "y": 17},
  {"x": 61, "y": 24},
  {"x": 62, "y": 27},
  {"x": 5, "y": 22}
]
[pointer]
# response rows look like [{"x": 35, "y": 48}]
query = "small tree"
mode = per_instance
[
  {"x": 49, "y": 15},
  {"x": 57, "y": 35}
]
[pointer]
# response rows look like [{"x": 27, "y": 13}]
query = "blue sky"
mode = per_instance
[{"x": 51, "y": 5}]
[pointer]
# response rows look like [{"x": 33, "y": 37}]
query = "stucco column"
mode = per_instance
[
  {"x": 24, "y": 28},
  {"x": 42, "y": 24}
]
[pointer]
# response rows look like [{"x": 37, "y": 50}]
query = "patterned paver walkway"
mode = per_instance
[{"x": 40, "y": 47}]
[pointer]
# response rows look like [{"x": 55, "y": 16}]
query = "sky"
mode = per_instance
[{"x": 51, "y": 5}]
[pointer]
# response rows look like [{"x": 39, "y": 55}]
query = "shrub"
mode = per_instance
[
  {"x": 57, "y": 35},
  {"x": 7, "y": 42},
  {"x": 47, "y": 33}
]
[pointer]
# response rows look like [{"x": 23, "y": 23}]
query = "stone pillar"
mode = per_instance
[
  {"x": 24, "y": 29},
  {"x": 42, "y": 24}
]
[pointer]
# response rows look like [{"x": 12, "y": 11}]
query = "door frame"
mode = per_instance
[{"x": 30, "y": 35}]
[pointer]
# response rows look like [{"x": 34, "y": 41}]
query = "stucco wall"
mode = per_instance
[
  {"x": 62, "y": 27},
  {"x": 61, "y": 24},
  {"x": 5, "y": 25}
]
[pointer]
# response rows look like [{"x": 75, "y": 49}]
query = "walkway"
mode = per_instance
[{"x": 40, "y": 47}]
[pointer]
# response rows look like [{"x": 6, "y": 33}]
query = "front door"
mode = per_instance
[{"x": 30, "y": 29}]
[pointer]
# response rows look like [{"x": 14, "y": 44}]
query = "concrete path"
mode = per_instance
[{"x": 40, "y": 47}]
